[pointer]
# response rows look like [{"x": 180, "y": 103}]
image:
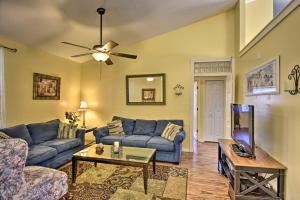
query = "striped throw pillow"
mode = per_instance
[
  {"x": 115, "y": 128},
  {"x": 171, "y": 131},
  {"x": 4, "y": 136},
  {"x": 66, "y": 131}
]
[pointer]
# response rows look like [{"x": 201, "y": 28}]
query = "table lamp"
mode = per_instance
[{"x": 83, "y": 107}]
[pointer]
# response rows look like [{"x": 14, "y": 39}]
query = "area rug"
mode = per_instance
[{"x": 118, "y": 182}]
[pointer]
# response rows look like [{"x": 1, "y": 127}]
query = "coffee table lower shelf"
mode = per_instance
[{"x": 144, "y": 166}]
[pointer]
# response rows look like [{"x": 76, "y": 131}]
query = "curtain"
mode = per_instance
[{"x": 2, "y": 90}]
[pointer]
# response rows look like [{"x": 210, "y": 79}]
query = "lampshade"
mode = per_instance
[
  {"x": 100, "y": 56},
  {"x": 83, "y": 105}
]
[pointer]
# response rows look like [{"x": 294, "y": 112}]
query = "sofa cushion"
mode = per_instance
[
  {"x": 45, "y": 183},
  {"x": 19, "y": 131},
  {"x": 136, "y": 140},
  {"x": 160, "y": 144},
  {"x": 42, "y": 132},
  {"x": 62, "y": 144},
  {"x": 39, "y": 153},
  {"x": 128, "y": 124},
  {"x": 144, "y": 127},
  {"x": 161, "y": 125},
  {"x": 111, "y": 139}
]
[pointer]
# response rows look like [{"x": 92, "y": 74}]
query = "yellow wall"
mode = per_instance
[
  {"x": 201, "y": 100},
  {"x": 277, "y": 117},
  {"x": 169, "y": 53},
  {"x": 19, "y": 69},
  {"x": 257, "y": 14}
]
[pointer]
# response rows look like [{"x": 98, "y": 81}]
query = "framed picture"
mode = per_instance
[
  {"x": 148, "y": 95},
  {"x": 264, "y": 79},
  {"x": 46, "y": 87}
]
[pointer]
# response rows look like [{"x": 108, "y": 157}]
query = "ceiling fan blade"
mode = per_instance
[
  {"x": 76, "y": 45},
  {"x": 109, "y": 45},
  {"x": 79, "y": 55},
  {"x": 108, "y": 61},
  {"x": 123, "y": 55}
]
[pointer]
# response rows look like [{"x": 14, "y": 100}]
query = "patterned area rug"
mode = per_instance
[{"x": 118, "y": 182}]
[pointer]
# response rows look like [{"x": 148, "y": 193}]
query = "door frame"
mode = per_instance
[
  {"x": 205, "y": 136},
  {"x": 230, "y": 95},
  {"x": 196, "y": 125}
]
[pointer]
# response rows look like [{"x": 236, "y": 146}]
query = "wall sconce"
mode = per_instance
[
  {"x": 292, "y": 86},
  {"x": 178, "y": 89}
]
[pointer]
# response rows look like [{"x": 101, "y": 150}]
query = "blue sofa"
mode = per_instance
[
  {"x": 146, "y": 133},
  {"x": 44, "y": 148}
]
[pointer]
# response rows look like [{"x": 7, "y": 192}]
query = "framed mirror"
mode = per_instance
[{"x": 146, "y": 89}]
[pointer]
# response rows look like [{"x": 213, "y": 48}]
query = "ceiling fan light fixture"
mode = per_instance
[{"x": 100, "y": 56}]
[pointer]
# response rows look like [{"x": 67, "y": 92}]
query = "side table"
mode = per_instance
[{"x": 87, "y": 130}]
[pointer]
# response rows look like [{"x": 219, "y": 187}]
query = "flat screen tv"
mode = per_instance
[{"x": 242, "y": 127}]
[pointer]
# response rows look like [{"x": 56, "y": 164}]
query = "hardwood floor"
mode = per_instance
[{"x": 204, "y": 181}]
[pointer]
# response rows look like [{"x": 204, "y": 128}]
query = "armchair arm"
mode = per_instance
[
  {"x": 12, "y": 163},
  {"x": 100, "y": 132},
  {"x": 80, "y": 133},
  {"x": 179, "y": 137}
]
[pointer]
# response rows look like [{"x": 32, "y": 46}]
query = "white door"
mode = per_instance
[{"x": 214, "y": 110}]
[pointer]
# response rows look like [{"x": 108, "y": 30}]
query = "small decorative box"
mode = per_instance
[{"x": 99, "y": 148}]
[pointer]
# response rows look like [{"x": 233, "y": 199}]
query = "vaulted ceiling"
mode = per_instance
[{"x": 45, "y": 23}]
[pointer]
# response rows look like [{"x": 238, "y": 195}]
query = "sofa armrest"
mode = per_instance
[
  {"x": 80, "y": 133},
  {"x": 100, "y": 132},
  {"x": 179, "y": 137}
]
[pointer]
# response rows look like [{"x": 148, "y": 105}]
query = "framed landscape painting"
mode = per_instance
[
  {"x": 264, "y": 79},
  {"x": 46, "y": 87}
]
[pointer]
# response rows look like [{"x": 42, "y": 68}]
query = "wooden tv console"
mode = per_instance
[{"x": 250, "y": 178}]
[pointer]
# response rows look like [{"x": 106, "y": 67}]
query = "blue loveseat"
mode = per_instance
[
  {"x": 44, "y": 148},
  {"x": 146, "y": 133}
]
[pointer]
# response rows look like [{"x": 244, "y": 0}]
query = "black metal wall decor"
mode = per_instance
[{"x": 294, "y": 76}]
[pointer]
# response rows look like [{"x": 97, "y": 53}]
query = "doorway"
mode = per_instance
[
  {"x": 214, "y": 110},
  {"x": 214, "y": 70}
]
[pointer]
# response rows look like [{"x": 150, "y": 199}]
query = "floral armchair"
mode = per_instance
[{"x": 27, "y": 183}]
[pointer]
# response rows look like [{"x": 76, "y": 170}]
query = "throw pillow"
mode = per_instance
[
  {"x": 4, "y": 136},
  {"x": 66, "y": 131},
  {"x": 115, "y": 128},
  {"x": 171, "y": 131}
]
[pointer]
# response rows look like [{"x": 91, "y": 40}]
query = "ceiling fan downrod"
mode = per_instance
[{"x": 101, "y": 12}]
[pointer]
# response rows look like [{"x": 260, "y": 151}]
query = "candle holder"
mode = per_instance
[
  {"x": 294, "y": 76},
  {"x": 118, "y": 153}
]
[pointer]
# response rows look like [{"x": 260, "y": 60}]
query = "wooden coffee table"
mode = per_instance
[{"x": 130, "y": 156}]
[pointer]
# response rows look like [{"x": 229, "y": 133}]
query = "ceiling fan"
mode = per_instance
[{"x": 101, "y": 52}]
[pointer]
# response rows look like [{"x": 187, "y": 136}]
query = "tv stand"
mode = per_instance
[
  {"x": 250, "y": 178},
  {"x": 240, "y": 152}
]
